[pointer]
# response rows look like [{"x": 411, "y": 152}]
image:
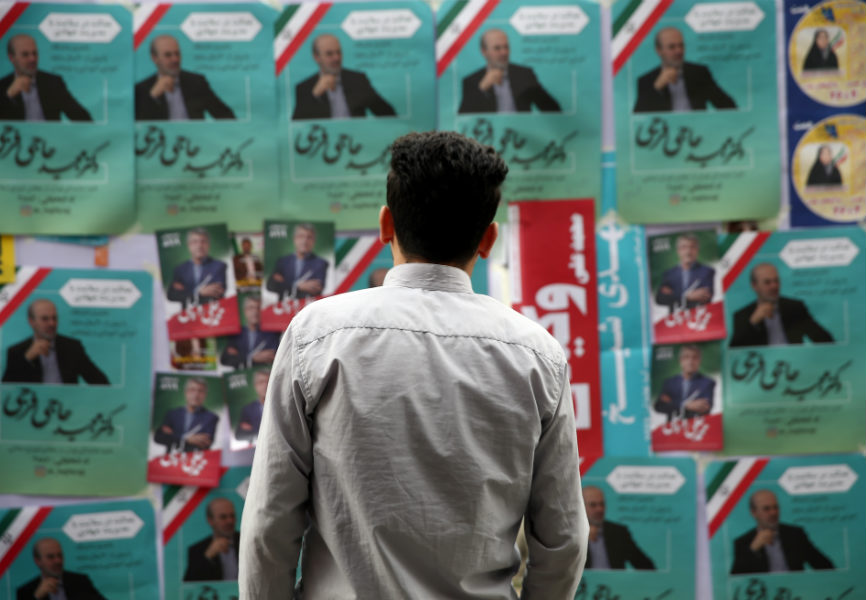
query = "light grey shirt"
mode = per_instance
[
  {"x": 598, "y": 551},
  {"x": 337, "y": 99},
  {"x": 176, "y": 105},
  {"x": 504, "y": 97},
  {"x": 414, "y": 425},
  {"x": 679, "y": 98},
  {"x": 50, "y": 368},
  {"x": 32, "y": 103},
  {"x": 775, "y": 330},
  {"x": 776, "y": 557}
]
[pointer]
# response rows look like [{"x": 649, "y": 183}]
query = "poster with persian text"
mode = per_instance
[
  {"x": 93, "y": 551},
  {"x": 641, "y": 514},
  {"x": 697, "y": 130},
  {"x": 787, "y": 527},
  {"x": 66, "y": 145},
  {"x": 75, "y": 357},
  {"x": 792, "y": 370},
  {"x": 525, "y": 78},
  {"x": 351, "y": 78},
  {"x": 552, "y": 262},
  {"x": 205, "y": 115}
]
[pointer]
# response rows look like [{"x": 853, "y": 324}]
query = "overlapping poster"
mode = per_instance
[
  {"x": 75, "y": 353},
  {"x": 93, "y": 551},
  {"x": 695, "y": 100},
  {"x": 792, "y": 370},
  {"x": 245, "y": 398},
  {"x": 252, "y": 347},
  {"x": 194, "y": 354},
  {"x": 641, "y": 515},
  {"x": 249, "y": 248},
  {"x": 554, "y": 283},
  {"x": 200, "y": 534},
  {"x": 205, "y": 115},
  {"x": 352, "y": 77},
  {"x": 66, "y": 145},
  {"x": 185, "y": 445},
  {"x": 826, "y": 82},
  {"x": 199, "y": 282},
  {"x": 686, "y": 397},
  {"x": 686, "y": 291},
  {"x": 788, "y": 527},
  {"x": 525, "y": 78}
]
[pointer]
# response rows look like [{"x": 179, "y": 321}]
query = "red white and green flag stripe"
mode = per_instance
[
  {"x": 178, "y": 503},
  {"x": 352, "y": 259},
  {"x": 144, "y": 19},
  {"x": 293, "y": 27},
  {"x": 13, "y": 295},
  {"x": 17, "y": 527},
  {"x": 729, "y": 486},
  {"x": 9, "y": 13},
  {"x": 738, "y": 255},
  {"x": 457, "y": 26},
  {"x": 632, "y": 26}
]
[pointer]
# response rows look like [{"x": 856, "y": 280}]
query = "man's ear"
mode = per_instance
[
  {"x": 488, "y": 239},
  {"x": 386, "y": 225}
]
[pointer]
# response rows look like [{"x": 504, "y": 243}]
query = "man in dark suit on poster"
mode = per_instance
[
  {"x": 773, "y": 319},
  {"x": 172, "y": 93},
  {"x": 610, "y": 544},
  {"x": 677, "y": 85},
  {"x": 192, "y": 426},
  {"x": 502, "y": 86},
  {"x": 251, "y": 413},
  {"x": 689, "y": 393},
  {"x": 335, "y": 92},
  {"x": 215, "y": 558},
  {"x": 772, "y": 546},
  {"x": 252, "y": 346},
  {"x": 689, "y": 283},
  {"x": 302, "y": 273},
  {"x": 200, "y": 279},
  {"x": 28, "y": 94},
  {"x": 53, "y": 581},
  {"x": 48, "y": 357}
]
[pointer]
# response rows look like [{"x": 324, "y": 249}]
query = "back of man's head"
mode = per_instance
[{"x": 443, "y": 191}]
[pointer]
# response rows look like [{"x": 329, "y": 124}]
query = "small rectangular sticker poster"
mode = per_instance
[
  {"x": 352, "y": 77},
  {"x": 199, "y": 282},
  {"x": 200, "y": 535},
  {"x": 794, "y": 304},
  {"x": 826, "y": 84},
  {"x": 249, "y": 248},
  {"x": 788, "y": 527},
  {"x": 641, "y": 514},
  {"x": 695, "y": 99},
  {"x": 686, "y": 295},
  {"x": 252, "y": 347},
  {"x": 75, "y": 354},
  {"x": 245, "y": 398},
  {"x": 205, "y": 113},
  {"x": 185, "y": 440},
  {"x": 93, "y": 551},
  {"x": 66, "y": 147},
  {"x": 193, "y": 354},
  {"x": 687, "y": 397},
  {"x": 524, "y": 77}
]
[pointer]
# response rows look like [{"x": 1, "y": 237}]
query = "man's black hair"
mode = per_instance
[{"x": 443, "y": 191}]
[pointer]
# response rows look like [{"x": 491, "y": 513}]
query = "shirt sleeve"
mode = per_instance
[
  {"x": 556, "y": 527},
  {"x": 274, "y": 511}
]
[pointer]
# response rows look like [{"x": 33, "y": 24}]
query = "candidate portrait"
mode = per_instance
[
  {"x": 611, "y": 545},
  {"x": 677, "y": 85},
  {"x": 251, "y": 413},
  {"x": 31, "y": 94},
  {"x": 172, "y": 93},
  {"x": 824, "y": 171},
  {"x": 821, "y": 56},
  {"x": 201, "y": 278},
  {"x": 689, "y": 393},
  {"x": 54, "y": 582},
  {"x": 689, "y": 283},
  {"x": 215, "y": 558},
  {"x": 251, "y": 347},
  {"x": 335, "y": 92},
  {"x": 773, "y": 319},
  {"x": 47, "y": 356},
  {"x": 300, "y": 274},
  {"x": 501, "y": 86},
  {"x": 189, "y": 427}
]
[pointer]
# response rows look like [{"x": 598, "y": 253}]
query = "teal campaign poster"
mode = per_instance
[
  {"x": 75, "y": 356},
  {"x": 100, "y": 550},
  {"x": 66, "y": 145},
  {"x": 525, "y": 78},
  {"x": 641, "y": 514},
  {"x": 695, "y": 105},
  {"x": 200, "y": 533},
  {"x": 352, "y": 77},
  {"x": 205, "y": 115},
  {"x": 789, "y": 527},
  {"x": 793, "y": 366}
]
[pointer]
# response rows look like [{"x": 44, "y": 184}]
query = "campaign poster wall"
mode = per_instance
[
  {"x": 75, "y": 352},
  {"x": 245, "y": 398},
  {"x": 197, "y": 520},
  {"x": 695, "y": 100},
  {"x": 525, "y": 78},
  {"x": 186, "y": 440},
  {"x": 793, "y": 364},
  {"x": 199, "y": 282},
  {"x": 108, "y": 550},
  {"x": 554, "y": 283},
  {"x": 644, "y": 509},
  {"x": 66, "y": 146},
  {"x": 205, "y": 113},
  {"x": 826, "y": 82},
  {"x": 352, "y": 77},
  {"x": 788, "y": 527}
]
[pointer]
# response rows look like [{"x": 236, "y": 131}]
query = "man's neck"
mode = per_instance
[
  {"x": 303, "y": 255},
  {"x": 687, "y": 266},
  {"x": 199, "y": 261},
  {"x": 254, "y": 328},
  {"x": 688, "y": 375},
  {"x": 192, "y": 409}
]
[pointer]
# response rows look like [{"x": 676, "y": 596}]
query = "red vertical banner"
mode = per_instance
[{"x": 554, "y": 283}]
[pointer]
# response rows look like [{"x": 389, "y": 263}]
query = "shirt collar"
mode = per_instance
[{"x": 429, "y": 276}]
